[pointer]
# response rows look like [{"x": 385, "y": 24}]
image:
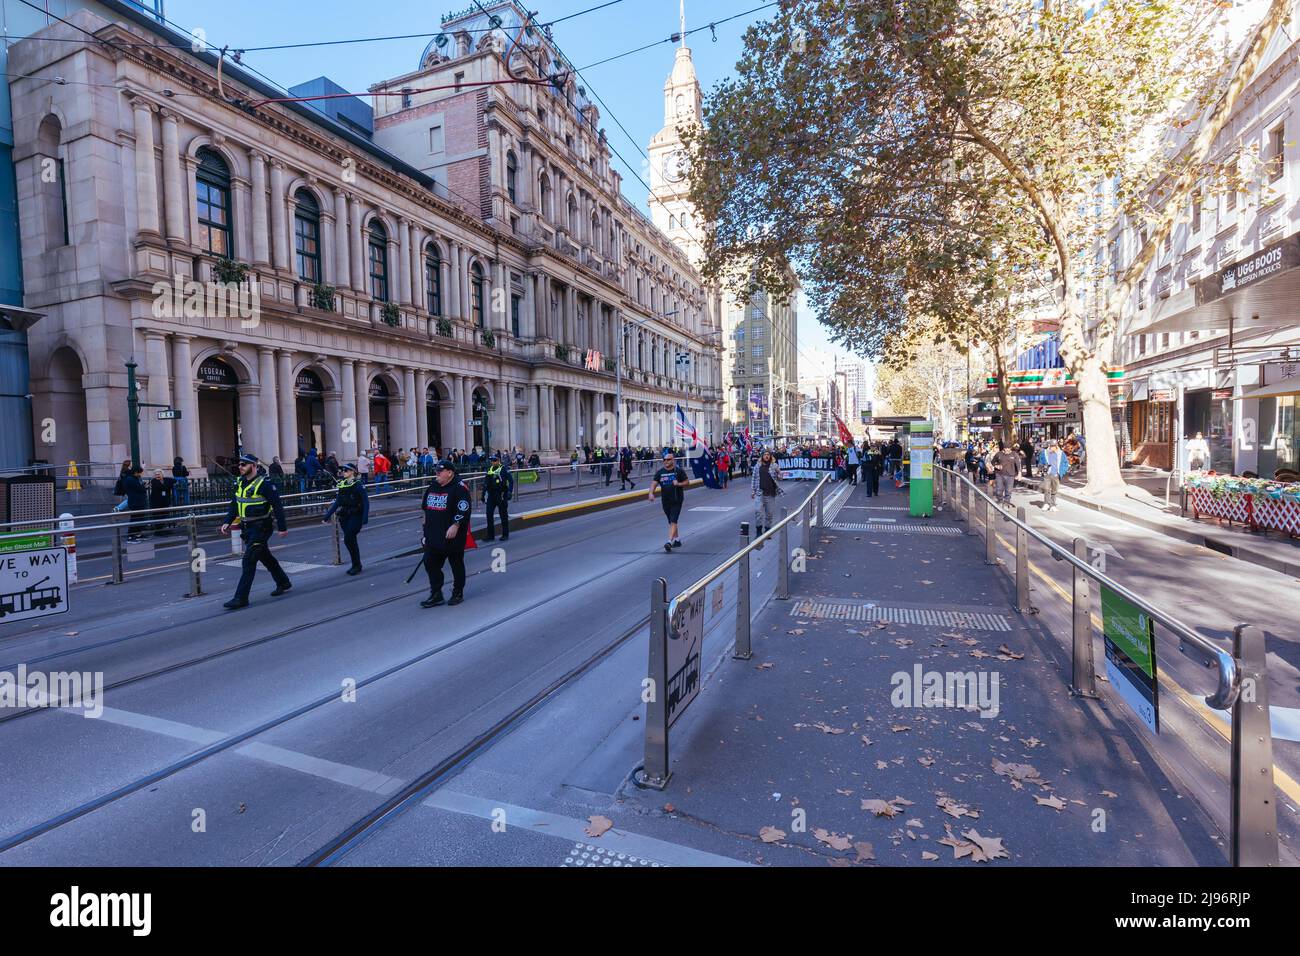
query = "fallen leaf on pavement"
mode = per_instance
[
  {"x": 832, "y": 840},
  {"x": 1056, "y": 803},
  {"x": 927, "y": 855},
  {"x": 598, "y": 825},
  {"x": 771, "y": 834},
  {"x": 865, "y": 852},
  {"x": 925, "y": 761}
]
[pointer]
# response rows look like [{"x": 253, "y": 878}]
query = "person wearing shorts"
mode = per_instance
[{"x": 671, "y": 481}]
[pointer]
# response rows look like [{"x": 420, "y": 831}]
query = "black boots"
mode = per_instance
[
  {"x": 433, "y": 600},
  {"x": 456, "y": 598}
]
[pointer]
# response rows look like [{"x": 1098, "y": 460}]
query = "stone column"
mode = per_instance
[
  {"x": 333, "y": 429},
  {"x": 462, "y": 280},
  {"x": 506, "y": 409},
  {"x": 159, "y": 393},
  {"x": 146, "y": 178},
  {"x": 528, "y": 322},
  {"x": 268, "y": 415},
  {"x": 261, "y": 233},
  {"x": 450, "y": 289},
  {"x": 394, "y": 270},
  {"x": 185, "y": 399},
  {"x": 348, "y": 422},
  {"x": 327, "y": 247},
  {"x": 571, "y": 316},
  {"x": 279, "y": 225},
  {"x": 289, "y": 410},
  {"x": 456, "y": 435},
  {"x": 403, "y": 277},
  {"x": 532, "y": 434},
  {"x": 571, "y": 399},
  {"x": 418, "y": 298},
  {"x": 545, "y": 439},
  {"x": 543, "y": 317},
  {"x": 363, "y": 406},
  {"x": 411, "y": 411},
  {"x": 360, "y": 276},
  {"x": 421, "y": 407},
  {"x": 342, "y": 259},
  {"x": 173, "y": 182},
  {"x": 249, "y": 431}
]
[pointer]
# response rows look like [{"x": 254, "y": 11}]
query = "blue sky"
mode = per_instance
[{"x": 632, "y": 87}]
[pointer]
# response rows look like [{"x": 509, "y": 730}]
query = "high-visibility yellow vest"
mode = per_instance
[{"x": 250, "y": 501}]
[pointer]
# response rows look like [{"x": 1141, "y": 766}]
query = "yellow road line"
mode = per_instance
[{"x": 1284, "y": 781}]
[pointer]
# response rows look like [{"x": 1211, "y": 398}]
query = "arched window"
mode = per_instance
[
  {"x": 571, "y": 222},
  {"x": 476, "y": 293},
  {"x": 512, "y": 173},
  {"x": 672, "y": 221},
  {"x": 212, "y": 192},
  {"x": 306, "y": 235},
  {"x": 378, "y": 244},
  {"x": 433, "y": 279},
  {"x": 544, "y": 196}
]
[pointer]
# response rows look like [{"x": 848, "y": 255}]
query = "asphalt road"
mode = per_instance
[{"x": 260, "y": 736}]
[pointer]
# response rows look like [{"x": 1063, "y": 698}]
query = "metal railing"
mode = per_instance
[
  {"x": 1253, "y": 811},
  {"x": 678, "y": 627}
]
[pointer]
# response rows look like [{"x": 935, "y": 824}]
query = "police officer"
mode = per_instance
[
  {"x": 447, "y": 505},
  {"x": 498, "y": 487},
  {"x": 872, "y": 465},
  {"x": 255, "y": 503},
  {"x": 353, "y": 506}
]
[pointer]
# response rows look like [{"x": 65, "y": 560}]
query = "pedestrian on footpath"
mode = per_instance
[
  {"x": 872, "y": 466},
  {"x": 353, "y": 507},
  {"x": 447, "y": 506},
  {"x": 625, "y": 469},
  {"x": 764, "y": 489},
  {"x": 498, "y": 487},
  {"x": 671, "y": 481},
  {"x": 851, "y": 462},
  {"x": 256, "y": 503},
  {"x": 363, "y": 467},
  {"x": 1006, "y": 466},
  {"x": 1054, "y": 466}
]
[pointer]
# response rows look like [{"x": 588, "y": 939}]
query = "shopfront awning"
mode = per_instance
[
  {"x": 1259, "y": 292},
  {"x": 1287, "y": 386}
]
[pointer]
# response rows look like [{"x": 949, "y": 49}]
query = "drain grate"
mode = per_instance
[
  {"x": 881, "y": 526},
  {"x": 836, "y": 611}
]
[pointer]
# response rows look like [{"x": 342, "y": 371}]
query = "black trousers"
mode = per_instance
[
  {"x": 495, "y": 505},
  {"x": 872, "y": 478},
  {"x": 257, "y": 548},
  {"x": 351, "y": 527},
  {"x": 853, "y": 473},
  {"x": 433, "y": 561}
]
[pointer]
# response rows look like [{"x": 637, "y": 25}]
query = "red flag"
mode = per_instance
[{"x": 845, "y": 435}]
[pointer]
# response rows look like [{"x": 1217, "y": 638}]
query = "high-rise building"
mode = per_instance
[{"x": 760, "y": 371}]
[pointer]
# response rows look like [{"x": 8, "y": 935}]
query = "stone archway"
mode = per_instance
[{"x": 67, "y": 410}]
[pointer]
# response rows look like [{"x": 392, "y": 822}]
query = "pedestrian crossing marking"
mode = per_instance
[
  {"x": 916, "y": 528},
  {"x": 848, "y": 611},
  {"x": 290, "y": 567}
]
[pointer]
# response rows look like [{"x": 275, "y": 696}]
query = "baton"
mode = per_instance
[{"x": 423, "y": 557}]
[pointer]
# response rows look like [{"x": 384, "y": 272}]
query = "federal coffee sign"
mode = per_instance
[{"x": 1268, "y": 262}]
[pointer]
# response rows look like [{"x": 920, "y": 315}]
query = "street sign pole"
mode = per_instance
[{"x": 133, "y": 412}]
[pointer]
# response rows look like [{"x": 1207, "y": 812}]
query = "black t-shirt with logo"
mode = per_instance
[
  {"x": 672, "y": 484},
  {"x": 444, "y": 505}
]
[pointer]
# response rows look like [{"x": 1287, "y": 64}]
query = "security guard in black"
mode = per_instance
[
  {"x": 447, "y": 506},
  {"x": 255, "y": 504}
]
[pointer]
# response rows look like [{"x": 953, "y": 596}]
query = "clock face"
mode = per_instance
[{"x": 675, "y": 166}]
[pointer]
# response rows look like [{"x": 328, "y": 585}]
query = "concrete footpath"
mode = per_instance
[{"x": 848, "y": 739}]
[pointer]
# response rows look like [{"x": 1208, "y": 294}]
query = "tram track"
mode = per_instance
[
  {"x": 234, "y": 740},
  {"x": 547, "y": 550}
]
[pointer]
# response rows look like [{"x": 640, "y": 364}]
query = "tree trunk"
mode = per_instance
[
  {"x": 1104, "y": 474},
  {"x": 1004, "y": 397}
]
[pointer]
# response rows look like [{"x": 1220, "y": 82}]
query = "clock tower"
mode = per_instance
[{"x": 669, "y": 207}]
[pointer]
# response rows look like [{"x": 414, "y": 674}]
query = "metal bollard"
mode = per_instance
[
  {"x": 196, "y": 580},
  {"x": 550, "y": 480},
  {"x": 654, "y": 773},
  {"x": 743, "y": 651},
  {"x": 1254, "y": 810},
  {"x": 338, "y": 554},
  {"x": 118, "y": 576},
  {"x": 805, "y": 514},
  {"x": 1083, "y": 677},
  {"x": 783, "y": 577},
  {"x": 990, "y": 537},
  {"x": 1022, "y": 565}
]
